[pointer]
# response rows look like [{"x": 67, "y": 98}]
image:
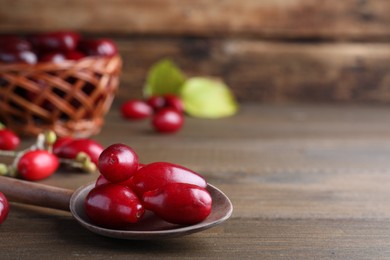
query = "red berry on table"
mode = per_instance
[
  {"x": 118, "y": 162},
  {"x": 60, "y": 142},
  {"x": 4, "y": 207},
  {"x": 179, "y": 203},
  {"x": 155, "y": 175},
  {"x": 156, "y": 102},
  {"x": 167, "y": 120},
  {"x": 136, "y": 109},
  {"x": 99, "y": 47},
  {"x": 8, "y": 140},
  {"x": 37, "y": 165},
  {"x": 71, "y": 148},
  {"x": 113, "y": 206},
  {"x": 55, "y": 41},
  {"x": 173, "y": 101}
]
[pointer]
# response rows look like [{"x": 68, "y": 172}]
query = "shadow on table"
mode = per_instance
[
  {"x": 73, "y": 233},
  {"x": 61, "y": 230}
]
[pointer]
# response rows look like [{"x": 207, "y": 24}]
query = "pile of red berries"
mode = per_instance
[
  {"x": 52, "y": 47},
  {"x": 166, "y": 112},
  {"x": 125, "y": 189},
  {"x": 42, "y": 159}
]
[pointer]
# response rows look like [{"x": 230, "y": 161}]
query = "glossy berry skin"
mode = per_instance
[
  {"x": 74, "y": 55},
  {"x": 16, "y": 56},
  {"x": 37, "y": 165},
  {"x": 55, "y": 57},
  {"x": 136, "y": 109},
  {"x": 101, "y": 180},
  {"x": 99, "y": 47},
  {"x": 60, "y": 142},
  {"x": 156, "y": 102},
  {"x": 167, "y": 120},
  {"x": 179, "y": 203},
  {"x": 173, "y": 101},
  {"x": 8, "y": 140},
  {"x": 4, "y": 208},
  {"x": 55, "y": 41},
  {"x": 155, "y": 175},
  {"x": 118, "y": 162},
  {"x": 113, "y": 206},
  {"x": 58, "y": 57},
  {"x": 71, "y": 148}
]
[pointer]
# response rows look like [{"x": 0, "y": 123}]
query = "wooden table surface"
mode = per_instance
[{"x": 306, "y": 182}]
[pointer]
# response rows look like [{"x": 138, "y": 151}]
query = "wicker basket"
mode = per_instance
[{"x": 71, "y": 97}]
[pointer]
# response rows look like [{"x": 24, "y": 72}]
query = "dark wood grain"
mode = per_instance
[
  {"x": 266, "y": 71},
  {"x": 306, "y": 182},
  {"x": 332, "y": 19},
  {"x": 267, "y": 51},
  {"x": 263, "y": 71}
]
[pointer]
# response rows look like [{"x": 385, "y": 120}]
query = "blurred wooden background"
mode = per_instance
[{"x": 273, "y": 51}]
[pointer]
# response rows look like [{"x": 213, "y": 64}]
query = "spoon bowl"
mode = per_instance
[{"x": 150, "y": 227}]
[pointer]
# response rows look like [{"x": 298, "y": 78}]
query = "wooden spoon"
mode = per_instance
[{"x": 150, "y": 227}]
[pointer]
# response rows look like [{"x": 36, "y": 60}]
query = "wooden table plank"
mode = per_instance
[
  {"x": 332, "y": 19},
  {"x": 267, "y": 71},
  {"x": 60, "y": 237},
  {"x": 306, "y": 182}
]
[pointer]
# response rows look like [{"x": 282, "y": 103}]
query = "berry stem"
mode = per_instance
[
  {"x": 87, "y": 166},
  {"x": 3, "y": 169},
  {"x": 44, "y": 141}
]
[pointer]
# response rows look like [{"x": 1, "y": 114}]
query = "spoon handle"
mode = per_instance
[{"x": 35, "y": 193}]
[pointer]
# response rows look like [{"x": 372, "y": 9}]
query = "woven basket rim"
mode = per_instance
[{"x": 83, "y": 62}]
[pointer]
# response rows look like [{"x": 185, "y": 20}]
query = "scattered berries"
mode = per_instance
[
  {"x": 174, "y": 102},
  {"x": 167, "y": 120},
  {"x": 69, "y": 148},
  {"x": 166, "y": 112},
  {"x": 124, "y": 188},
  {"x": 8, "y": 140},
  {"x": 42, "y": 159},
  {"x": 37, "y": 165},
  {"x": 156, "y": 102},
  {"x": 136, "y": 109}
]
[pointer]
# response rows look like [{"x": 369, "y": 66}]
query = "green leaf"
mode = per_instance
[
  {"x": 208, "y": 98},
  {"x": 163, "y": 78}
]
